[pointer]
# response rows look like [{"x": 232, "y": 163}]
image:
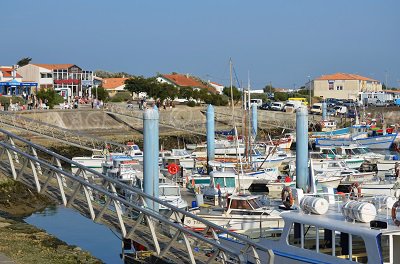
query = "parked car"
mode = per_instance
[
  {"x": 316, "y": 108},
  {"x": 266, "y": 106},
  {"x": 351, "y": 114},
  {"x": 380, "y": 103},
  {"x": 258, "y": 102},
  {"x": 340, "y": 109},
  {"x": 277, "y": 106},
  {"x": 290, "y": 107},
  {"x": 330, "y": 112}
]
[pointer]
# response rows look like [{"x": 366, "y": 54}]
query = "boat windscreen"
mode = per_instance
[
  {"x": 254, "y": 203},
  {"x": 169, "y": 191},
  {"x": 230, "y": 182}
]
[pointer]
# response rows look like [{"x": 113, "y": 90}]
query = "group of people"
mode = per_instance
[
  {"x": 164, "y": 104},
  {"x": 31, "y": 102}
]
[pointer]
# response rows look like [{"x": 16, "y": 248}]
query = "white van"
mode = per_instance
[
  {"x": 316, "y": 108},
  {"x": 340, "y": 110},
  {"x": 258, "y": 102},
  {"x": 277, "y": 106}
]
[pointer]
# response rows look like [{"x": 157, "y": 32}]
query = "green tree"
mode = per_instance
[
  {"x": 51, "y": 96},
  {"x": 269, "y": 88},
  {"x": 281, "y": 96},
  {"x": 237, "y": 94},
  {"x": 164, "y": 91},
  {"x": 24, "y": 61},
  {"x": 102, "y": 94},
  {"x": 186, "y": 92}
]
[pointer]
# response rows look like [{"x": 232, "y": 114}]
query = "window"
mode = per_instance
[{"x": 339, "y": 88}]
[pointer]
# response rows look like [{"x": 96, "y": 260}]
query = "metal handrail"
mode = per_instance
[{"x": 84, "y": 182}]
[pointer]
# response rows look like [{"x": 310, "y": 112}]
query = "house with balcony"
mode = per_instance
[{"x": 67, "y": 79}]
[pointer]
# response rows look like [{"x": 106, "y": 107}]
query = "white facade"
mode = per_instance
[
  {"x": 372, "y": 97},
  {"x": 217, "y": 86},
  {"x": 37, "y": 74}
]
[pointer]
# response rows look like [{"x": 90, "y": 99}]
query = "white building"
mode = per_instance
[
  {"x": 68, "y": 79},
  {"x": 343, "y": 86}
]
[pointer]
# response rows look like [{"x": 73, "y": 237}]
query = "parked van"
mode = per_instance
[
  {"x": 277, "y": 106},
  {"x": 299, "y": 99},
  {"x": 292, "y": 106},
  {"x": 316, "y": 108},
  {"x": 340, "y": 109},
  {"x": 258, "y": 102}
]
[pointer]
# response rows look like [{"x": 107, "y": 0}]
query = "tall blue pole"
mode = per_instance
[
  {"x": 254, "y": 120},
  {"x": 302, "y": 148},
  {"x": 150, "y": 155},
  {"x": 210, "y": 135},
  {"x": 323, "y": 110}
]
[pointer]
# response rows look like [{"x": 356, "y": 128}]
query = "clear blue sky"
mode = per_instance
[{"x": 281, "y": 41}]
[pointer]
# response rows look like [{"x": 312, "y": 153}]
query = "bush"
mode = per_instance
[
  {"x": 121, "y": 97},
  {"x": 191, "y": 103},
  {"x": 53, "y": 98},
  {"x": 15, "y": 99},
  {"x": 102, "y": 94}
]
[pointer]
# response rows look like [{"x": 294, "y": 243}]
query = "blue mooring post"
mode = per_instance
[
  {"x": 210, "y": 136},
  {"x": 302, "y": 148},
  {"x": 150, "y": 155},
  {"x": 254, "y": 120},
  {"x": 323, "y": 110}
]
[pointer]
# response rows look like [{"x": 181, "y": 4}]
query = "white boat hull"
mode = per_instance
[
  {"x": 378, "y": 142},
  {"x": 385, "y": 165}
]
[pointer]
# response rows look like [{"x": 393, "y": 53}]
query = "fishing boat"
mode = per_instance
[
  {"x": 100, "y": 156},
  {"x": 241, "y": 214},
  {"x": 333, "y": 230},
  {"x": 372, "y": 142},
  {"x": 171, "y": 193},
  {"x": 334, "y": 153}
]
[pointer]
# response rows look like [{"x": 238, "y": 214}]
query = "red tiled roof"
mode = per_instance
[
  {"x": 216, "y": 83},
  {"x": 345, "y": 76},
  {"x": 185, "y": 81},
  {"x": 112, "y": 83},
  {"x": 54, "y": 66},
  {"x": 7, "y": 72}
]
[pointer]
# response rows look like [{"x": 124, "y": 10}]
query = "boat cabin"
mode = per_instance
[{"x": 240, "y": 204}]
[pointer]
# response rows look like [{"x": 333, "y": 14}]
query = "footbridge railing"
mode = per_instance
[
  {"x": 100, "y": 198},
  {"x": 47, "y": 130}
]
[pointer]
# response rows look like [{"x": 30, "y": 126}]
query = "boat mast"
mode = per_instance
[
  {"x": 249, "y": 121},
  {"x": 238, "y": 156}
]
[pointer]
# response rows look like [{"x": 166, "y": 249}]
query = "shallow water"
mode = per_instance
[{"x": 74, "y": 229}]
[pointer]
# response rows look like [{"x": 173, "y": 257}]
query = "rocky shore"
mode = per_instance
[{"x": 23, "y": 243}]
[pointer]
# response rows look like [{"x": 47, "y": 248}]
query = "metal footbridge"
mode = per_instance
[{"x": 95, "y": 196}]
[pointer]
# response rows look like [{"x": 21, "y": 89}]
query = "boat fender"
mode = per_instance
[
  {"x": 173, "y": 168},
  {"x": 396, "y": 213},
  {"x": 355, "y": 191},
  {"x": 287, "y": 197}
]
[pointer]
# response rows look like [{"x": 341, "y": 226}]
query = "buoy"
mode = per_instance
[
  {"x": 396, "y": 213},
  {"x": 173, "y": 168},
  {"x": 287, "y": 197}
]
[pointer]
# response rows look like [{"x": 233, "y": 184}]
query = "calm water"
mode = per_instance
[{"x": 74, "y": 229}]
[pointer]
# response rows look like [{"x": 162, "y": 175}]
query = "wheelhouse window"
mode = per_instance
[{"x": 331, "y": 242}]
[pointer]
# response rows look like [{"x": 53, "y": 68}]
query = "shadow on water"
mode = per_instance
[{"x": 74, "y": 229}]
